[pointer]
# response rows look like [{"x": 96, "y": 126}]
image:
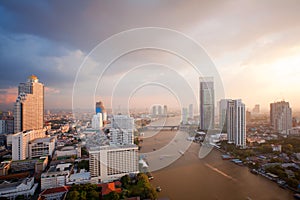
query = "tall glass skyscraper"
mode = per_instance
[
  {"x": 29, "y": 106},
  {"x": 207, "y": 103}
]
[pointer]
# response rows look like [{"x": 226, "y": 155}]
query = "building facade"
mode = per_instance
[
  {"x": 41, "y": 147},
  {"x": 20, "y": 143},
  {"x": 29, "y": 106},
  {"x": 236, "y": 123},
  {"x": 281, "y": 116},
  {"x": 223, "y": 114},
  {"x": 207, "y": 103},
  {"x": 108, "y": 163}
]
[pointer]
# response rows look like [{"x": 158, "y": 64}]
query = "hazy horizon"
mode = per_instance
[{"x": 254, "y": 45}]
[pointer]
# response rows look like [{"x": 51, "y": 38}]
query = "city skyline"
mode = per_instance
[{"x": 35, "y": 41}]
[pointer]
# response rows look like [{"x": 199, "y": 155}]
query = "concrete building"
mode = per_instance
[
  {"x": 154, "y": 110},
  {"x": 100, "y": 109},
  {"x": 69, "y": 151},
  {"x": 165, "y": 110},
  {"x": 184, "y": 116},
  {"x": 121, "y": 136},
  {"x": 97, "y": 121},
  {"x": 29, "y": 106},
  {"x": 11, "y": 190},
  {"x": 20, "y": 143},
  {"x": 108, "y": 163},
  {"x": 159, "y": 110},
  {"x": 56, "y": 176},
  {"x": 281, "y": 116},
  {"x": 207, "y": 103},
  {"x": 41, "y": 147},
  {"x": 3, "y": 127},
  {"x": 236, "y": 123},
  {"x": 256, "y": 109}
]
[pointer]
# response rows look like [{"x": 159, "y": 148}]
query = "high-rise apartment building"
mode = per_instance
[
  {"x": 236, "y": 123},
  {"x": 108, "y": 163},
  {"x": 281, "y": 116},
  {"x": 207, "y": 103},
  {"x": 29, "y": 106}
]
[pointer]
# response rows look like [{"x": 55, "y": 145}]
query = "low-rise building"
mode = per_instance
[
  {"x": 54, "y": 193},
  {"x": 56, "y": 176},
  {"x": 41, "y": 147},
  {"x": 4, "y": 167},
  {"x": 24, "y": 187},
  {"x": 69, "y": 151}
]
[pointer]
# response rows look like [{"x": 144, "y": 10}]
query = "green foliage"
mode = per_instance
[
  {"x": 83, "y": 192},
  {"x": 141, "y": 187},
  {"x": 125, "y": 180},
  {"x": 112, "y": 196},
  {"x": 83, "y": 164}
]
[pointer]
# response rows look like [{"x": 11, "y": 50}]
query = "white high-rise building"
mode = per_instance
[
  {"x": 191, "y": 111},
  {"x": 281, "y": 116},
  {"x": 165, "y": 110},
  {"x": 123, "y": 122},
  {"x": 122, "y": 129},
  {"x": 20, "y": 143},
  {"x": 29, "y": 106},
  {"x": 236, "y": 123},
  {"x": 97, "y": 121},
  {"x": 108, "y": 163},
  {"x": 184, "y": 116},
  {"x": 207, "y": 103}
]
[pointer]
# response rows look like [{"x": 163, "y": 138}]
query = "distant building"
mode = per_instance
[
  {"x": 281, "y": 116},
  {"x": 100, "y": 109},
  {"x": 159, "y": 110},
  {"x": 236, "y": 123},
  {"x": 165, "y": 110},
  {"x": 191, "y": 111},
  {"x": 122, "y": 131},
  {"x": 29, "y": 106},
  {"x": 248, "y": 116},
  {"x": 223, "y": 114},
  {"x": 154, "y": 111},
  {"x": 184, "y": 116},
  {"x": 97, "y": 121},
  {"x": 3, "y": 127},
  {"x": 108, "y": 163},
  {"x": 207, "y": 103},
  {"x": 256, "y": 109}
]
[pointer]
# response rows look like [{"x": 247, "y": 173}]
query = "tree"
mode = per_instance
[
  {"x": 112, "y": 196},
  {"x": 93, "y": 195},
  {"x": 125, "y": 180},
  {"x": 73, "y": 195}
]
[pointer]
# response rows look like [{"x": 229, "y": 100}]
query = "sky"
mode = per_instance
[{"x": 253, "y": 45}]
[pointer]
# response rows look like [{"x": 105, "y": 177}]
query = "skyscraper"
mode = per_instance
[
  {"x": 222, "y": 114},
  {"x": 191, "y": 111},
  {"x": 207, "y": 103},
  {"x": 281, "y": 116},
  {"x": 100, "y": 119},
  {"x": 184, "y": 115},
  {"x": 29, "y": 106},
  {"x": 236, "y": 123},
  {"x": 165, "y": 110},
  {"x": 159, "y": 110}
]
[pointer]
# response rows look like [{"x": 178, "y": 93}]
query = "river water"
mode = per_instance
[{"x": 209, "y": 178}]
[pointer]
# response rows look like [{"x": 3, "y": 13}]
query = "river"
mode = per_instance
[{"x": 209, "y": 178}]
